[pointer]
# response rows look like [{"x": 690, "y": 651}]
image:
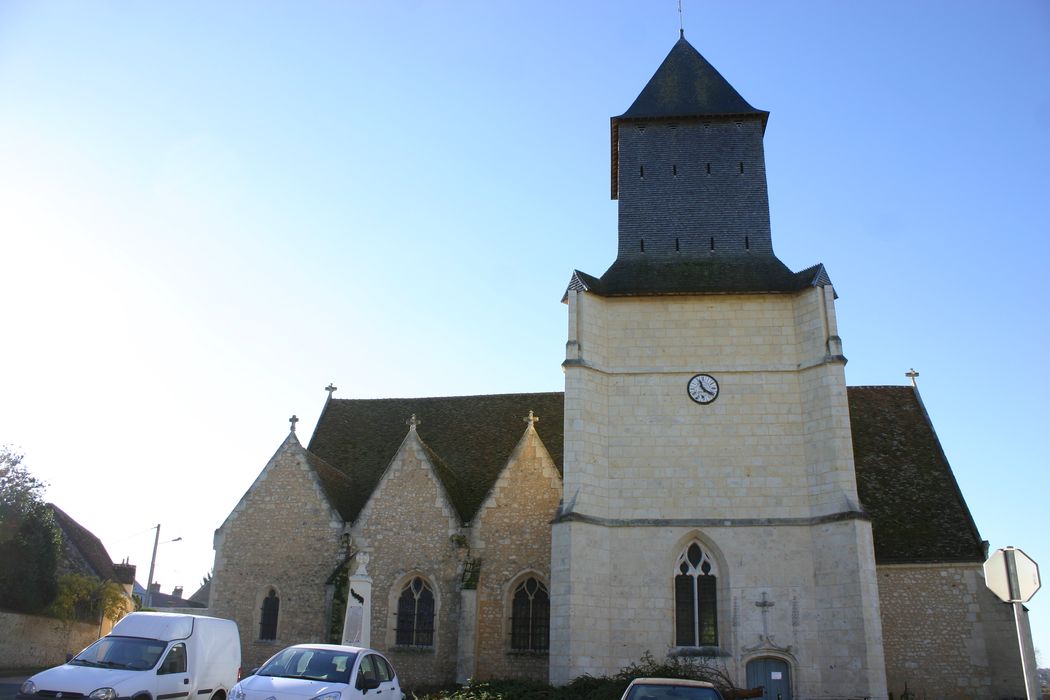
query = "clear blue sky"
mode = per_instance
[{"x": 208, "y": 211}]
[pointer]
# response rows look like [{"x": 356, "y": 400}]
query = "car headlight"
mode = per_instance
[
  {"x": 238, "y": 692},
  {"x": 103, "y": 694},
  {"x": 329, "y": 696},
  {"x": 28, "y": 688}
]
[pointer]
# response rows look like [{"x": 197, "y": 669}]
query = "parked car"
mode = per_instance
[
  {"x": 146, "y": 656},
  {"x": 322, "y": 672},
  {"x": 670, "y": 689}
]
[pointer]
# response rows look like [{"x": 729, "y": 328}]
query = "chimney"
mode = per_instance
[
  {"x": 125, "y": 572},
  {"x": 177, "y": 592},
  {"x": 155, "y": 588}
]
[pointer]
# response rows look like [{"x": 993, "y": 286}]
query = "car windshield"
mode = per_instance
[
  {"x": 673, "y": 692},
  {"x": 330, "y": 665},
  {"x": 122, "y": 652}
]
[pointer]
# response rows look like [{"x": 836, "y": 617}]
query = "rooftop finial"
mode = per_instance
[
  {"x": 532, "y": 419},
  {"x": 912, "y": 374},
  {"x": 681, "y": 21},
  {"x": 331, "y": 389},
  {"x": 413, "y": 422},
  {"x": 293, "y": 420}
]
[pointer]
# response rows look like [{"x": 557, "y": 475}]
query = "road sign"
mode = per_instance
[{"x": 1012, "y": 575}]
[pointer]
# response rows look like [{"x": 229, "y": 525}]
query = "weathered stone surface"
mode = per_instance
[{"x": 283, "y": 535}]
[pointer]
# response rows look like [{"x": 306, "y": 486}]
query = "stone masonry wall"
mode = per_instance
[
  {"x": 513, "y": 538},
  {"x": 944, "y": 633},
  {"x": 32, "y": 641},
  {"x": 407, "y": 524},
  {"x": 283, "y": 534}
]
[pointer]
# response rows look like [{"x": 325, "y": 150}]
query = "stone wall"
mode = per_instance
[
  {"x": 408, "y": 526},
  {"x": 513, "y": 539},
  {"x": 764, "y": 474},
  {"x": 946, "y": 635},
  {"x": 31, "y": 641},
  {"x": 284, "y": 535}
]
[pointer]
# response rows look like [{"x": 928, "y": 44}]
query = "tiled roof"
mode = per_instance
[
  {"x": 905, "y": 482},
  {"x": 337, "y": 485},
  {"x": 469, "y": 439},
  {"x": 85, "y": 544}
]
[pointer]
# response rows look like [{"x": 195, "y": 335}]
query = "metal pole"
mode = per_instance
[
  {"x": 152, "y": 563},
  {"x": 1011, "y": 577}
]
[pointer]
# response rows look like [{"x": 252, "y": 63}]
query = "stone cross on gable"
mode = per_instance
[
  {"x": 532, "y": 419},
  {"x": 293, "y": 420},
  {"x": 331, "y": 389},
  {"x": 912, "y": 374},
  {"x": 413, "y": 422},
  {"x": 764, "y": 605}
]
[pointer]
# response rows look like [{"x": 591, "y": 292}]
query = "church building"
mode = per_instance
[{"x": 706, "y": 485}]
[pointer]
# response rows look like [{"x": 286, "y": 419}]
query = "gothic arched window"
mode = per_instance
[
  {"x": 415, "y": 614},
  {"x": 695, "y": 599},
  {"x": 271, "y": 605},
  {"x": 530, "y": 617}
]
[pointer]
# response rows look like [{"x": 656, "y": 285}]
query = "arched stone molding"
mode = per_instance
[
  {"x": 507, "y": 596},
  {"x": 260, "y": 597},
  {"x": 400, "y": 581},
  {"x": 723, "y": 604}
]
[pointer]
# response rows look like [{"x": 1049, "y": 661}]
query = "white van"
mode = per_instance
[{"x": 148, "y": 656}]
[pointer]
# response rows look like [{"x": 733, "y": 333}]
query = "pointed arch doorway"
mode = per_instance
[{"x": 774, "y": 675}]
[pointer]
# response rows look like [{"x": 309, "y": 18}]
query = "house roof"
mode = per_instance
[
  {"x": 469, "y": 439},
  {"x": 903, "y": 477},
  {"x": 905, "y": 482},
  {"x": 85, "y": 546},
  {"x": 203, "y": 593}
]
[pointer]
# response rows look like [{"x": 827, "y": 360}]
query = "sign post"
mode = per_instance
[{"x": 1014, "y": 577}]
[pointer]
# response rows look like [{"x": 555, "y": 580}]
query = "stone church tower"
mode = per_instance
[{"x": 710, "y": 501}]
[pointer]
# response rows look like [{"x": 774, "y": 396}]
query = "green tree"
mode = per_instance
[
  {"x": 30, "y": 541},
  {"x": 86, "y": 598}
]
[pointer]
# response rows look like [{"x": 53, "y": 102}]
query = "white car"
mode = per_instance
[
  {"x": 321, "y": 672},
  {"x": 670, "y": 689}
]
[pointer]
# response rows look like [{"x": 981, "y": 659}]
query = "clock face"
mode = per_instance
[{"x": 703, "y": 388}]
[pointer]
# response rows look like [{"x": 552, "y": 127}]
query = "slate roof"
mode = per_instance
[
  {"x": 905, "y": 482},
  {"x": 203, "y": 593},
  {"x": 723, "y": 276},
  {"x": 84, "y": 545},
  {"x": 337, "y": 485},
  {"x": 903, "y": 477},
  {"x": 686, "y": 85},
  {"x": 469, "y": 439}
]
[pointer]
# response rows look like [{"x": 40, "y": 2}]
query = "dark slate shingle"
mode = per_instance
[
  {"x": 905, "y": 482},
  {"x": 84, "y": 543},
  {"x": 686, "y": 85},
  {"x": 468, "y": 438}
]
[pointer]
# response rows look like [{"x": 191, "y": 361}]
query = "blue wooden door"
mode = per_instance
[{"x": 771, "y": 674}]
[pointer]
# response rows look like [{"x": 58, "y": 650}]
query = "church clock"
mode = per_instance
[{"x": 703, "y": 388}]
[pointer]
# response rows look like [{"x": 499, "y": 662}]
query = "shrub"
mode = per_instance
[{"x": 588, "y": 687}]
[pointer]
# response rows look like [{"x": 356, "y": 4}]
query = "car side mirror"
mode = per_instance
[{"x": 368, "y": 684}]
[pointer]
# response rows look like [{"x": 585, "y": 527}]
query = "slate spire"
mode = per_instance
[{"x": 686, "y": 85}]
